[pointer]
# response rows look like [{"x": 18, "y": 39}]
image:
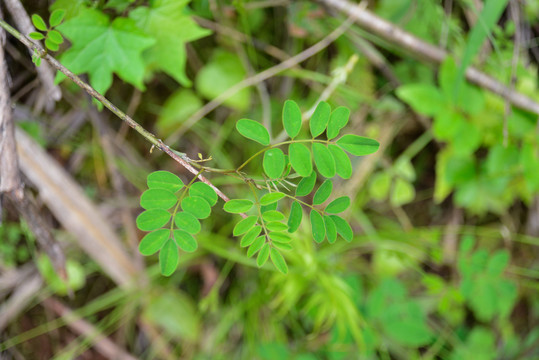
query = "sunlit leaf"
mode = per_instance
[
  {"x": 185, "y": 241},
  {"x": 274, "y": 163},
  {"x": 186, "y": 221},
  {"x": 282, "y": 246},
  {"x": 306, "y": 185},
  {"x": 358, "y": 145},
  {"x": 250, "y": 236},
  {"x": 319, "y": 120},
  {"x": 300, "y": 158},
  {"x": 273, "y": 215},
  {"x": 39, "y": 23},
  {"x": 237, "y": 206},
  {"x": 55, "y": 36},
  {"x": 56, "y": 17},
  {"x": 324, "y": 160},
  {"x": 338, "y": 120},
  {"x": 158, "y": 199},
  {"x": 278, "y": 261},
  {"x": 244, "y": 225},
  {"x": 152, "y": 242},
  {"x": 205, "y": 191},
  {"x": 197, "y": 206},
  {"x": 343, "y": 228},
  {"x": 164, "y": 180},
  {"x": 254, "y": 131},
  {"x": 280, "y": 237},
  {"x": 323, "y": 192},
  {"x": 263, "y": 255},
  {"x": 338, "y": 205},
  {"x": 343, "y": 165},
  {"x": 257, "y": 244},
  {"x": 270, "y": 198},
  {"x": 168, "y": 258},
  {"x": 152, "y": 219},
  {"x": 36, "y": 36},
  {"x": 291, "y": 118},
  {"x": 276, "y": 226},
  {"x": 331, "y": 229}
]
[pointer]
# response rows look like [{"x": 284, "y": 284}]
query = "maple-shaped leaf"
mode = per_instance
[
  {"x": 101, "y": 48},
  {"x": 168, "y": 23}
]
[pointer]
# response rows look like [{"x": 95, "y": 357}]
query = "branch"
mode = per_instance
[
  {"x": 425, "y": 51},
  {"x": 158, "y": 143}
]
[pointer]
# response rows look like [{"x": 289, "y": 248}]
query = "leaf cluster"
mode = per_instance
[{"x": 53, "y": 38}]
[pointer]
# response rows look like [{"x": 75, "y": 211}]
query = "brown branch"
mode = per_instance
[
  {"x": 158, "y": 143},
  {"x": 425, "y": 51}
]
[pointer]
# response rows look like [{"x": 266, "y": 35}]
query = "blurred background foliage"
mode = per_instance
[{"x": 444, "y": 263}]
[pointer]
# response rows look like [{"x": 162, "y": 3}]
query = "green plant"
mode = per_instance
[
  {"x": 53, "y": 38},
  {"x": 267, "y": 229}
]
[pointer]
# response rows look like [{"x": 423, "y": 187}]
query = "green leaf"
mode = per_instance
[
  {"x": 338, "y": 205},
  {"x": 331, "y": 229},
  {"x": 56, "y": 17},
  {"x": 36, "y": 36},
  {"x": 317, "y": 226},
  {"x": 274, "y": 163},
  {"x": 38, "y": 22},
  {"x": 101, "y": 48},
  {"x": 306, "y": 185},
  {"x": 319, "y": 120},
  {"x": 324, "y": 160},
  {"x": 343, "y": 165},
  {"x": 169, "y": 23},
  {"x": 270, "y": 198},
  {"x": 152, "y": 219},
  {"x": 205, "y": 191},
  {"x": 291, "y": 118},
  {"x": 338, "y": 120},
  {"x": 152, "y": 242},
  {"x": 323, "y": 192},
  {"x": 402, "y": 193},
  {"x": 263, "y": 255},
  {"x": 257, "y": 244},
  {"x": 278, "y": 260},
  {"x": 423, "y": 98},
  {"x": 250, "y": 236},
  {"x": 379, "y": 185},
  {"x": 343, "y": 228},
  {"x": 197, "y": 206},
  {"x": 276, "y": 226},
  {"x": 282, "y": 246},
  {"x": 294, "y": 220},
  {"x": 245, "y": 225},
  {"x": 187, "y": 222},
  {"x": 51, "y": 45},
  {"x": 223, "y": 71},
  {"x": 273, "y": 215},
  {"x": 169, "y": 258},
  {"x": 358, "y": 145},
  {"x": 280, "y": 237},
  {"x": 55, "y": 36},
  {"x": 254, "y": 131},
  {"x": 158, "y": 199},
  {"x": 164, "y": 180},
  {"x": 300, "y": 159},
  {"x": 185, "y": 241},
  {"x": 238, "y": 206}
]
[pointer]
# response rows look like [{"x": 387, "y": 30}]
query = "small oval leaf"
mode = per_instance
[
  {"x": 197, "y": 206},
  {"x": 323, "y": 192},
  {"x": 254, "y": 131},
  {"x": 187, "y": 222},
  {"x": 343, "y": 228},
  {"x": 291, "y": 118},
  {"x": 358, "y": 145},
  {"x": 318, "y": 227},
  {"x": 244, "y": 225},
  {"x": 152, "y": 219},
  {"x": 270, "y": 198},
  {"x": 319, "y": 120},
  {"x": 205, "y": 191},
  {"x": 280, "y": 237},
  {"x": 300, "y": 159},
  {"x": 338, "y": 205},
  {"x": 158, "y": 199},
  {"x": 164, "y": 180},
  {"x": 294, "y": 220},
  {"x": 238, "y": 206},
  {"x": 324, "y": 160},
  {"x": 185, "y": 241},
  {"x": 39, "y": 23},
  {"x": 337, "y": 120},
  {"x": 55, "y": 36},
  {"x": 169, "y": 258},
  {"x": 56, "y": 17},
  {"x": 152, "y": 242},
  {"x": 257, "y": 244},
  {"x": 273, "y": 215},
  {"x": 306, "y": 185},
  {"x": 343, "y": 165},
  {"x": 274, "y": 163},
  {"x": 36, "y": 35},
  {"x": 263, "y": 255},
  {"x": 278, "y": 260},
  {"x": 282, "y": 246},
  {"x": 250, "y": 236},
  {"x": 276, "y": 226},
  {"x": 331, "y": 229}
]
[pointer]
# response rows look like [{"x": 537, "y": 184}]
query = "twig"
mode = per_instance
[
  {"x": 420, "y": 49},
  {"x": 266, "y": 74},
  {"x": 158, "y": 143}
]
